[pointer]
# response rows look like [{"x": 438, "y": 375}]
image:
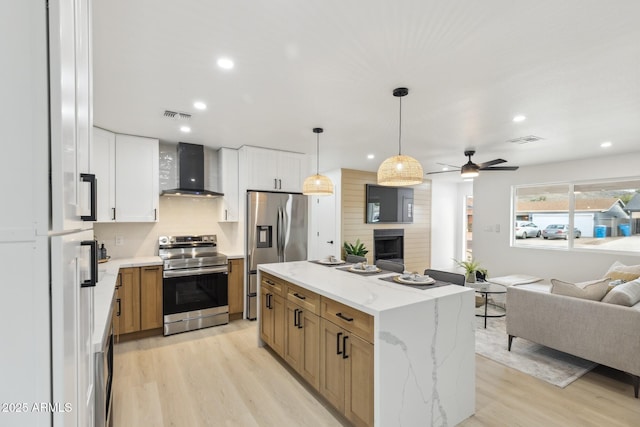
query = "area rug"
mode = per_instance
[{"x": 552, "y": 366}]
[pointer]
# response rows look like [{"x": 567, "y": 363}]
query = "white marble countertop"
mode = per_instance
[
  {"x": 103, "y": 292},
  {"x": 362, "y": 291}
]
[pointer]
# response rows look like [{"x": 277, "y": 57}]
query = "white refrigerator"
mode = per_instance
[{"x": 47, "y": 246}]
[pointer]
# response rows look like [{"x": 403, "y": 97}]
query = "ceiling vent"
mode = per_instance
[
  {"x": 177, "y": 115},
  {"x": 525, "y": 139}
]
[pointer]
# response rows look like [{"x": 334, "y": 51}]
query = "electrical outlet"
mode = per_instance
[{"x": 119, "y": 240}]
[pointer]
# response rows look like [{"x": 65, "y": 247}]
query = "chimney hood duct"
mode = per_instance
[{"x": 191, "y": 173}]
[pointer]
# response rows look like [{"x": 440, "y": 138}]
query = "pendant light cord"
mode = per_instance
[
  {"x": 400, "y": 130},
  {"x": 317, "y": 154}
]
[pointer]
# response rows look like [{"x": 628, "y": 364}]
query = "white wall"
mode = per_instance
[
  {"x": 178, "y": 216},
  {"x": 492, "y": 207},
  {"x": 448, "y": 209}
]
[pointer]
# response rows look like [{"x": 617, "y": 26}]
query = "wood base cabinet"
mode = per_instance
[
  {"x": 302, "y": 343},
  {"x": 328, "y": 343},
  {"x": 272, "y": 309},
  {"x": 138, "y": 300},
  {"x": 236, "y": 291},
  {"x": 346, "y": 373}
]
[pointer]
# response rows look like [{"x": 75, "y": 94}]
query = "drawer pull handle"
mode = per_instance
[
  {"x": 297, "y": 295},
  {"x": 344, "y": 347},
  {"x": 338, "y": 343},
  {"x": 343, "y": 317}
]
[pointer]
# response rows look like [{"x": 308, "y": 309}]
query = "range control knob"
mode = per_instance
[
  {"x": 163, "y": 240},
  {"x": 205, "y": 238}
]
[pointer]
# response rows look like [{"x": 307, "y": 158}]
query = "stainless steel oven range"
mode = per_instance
[{"x": 194, "y": 284}]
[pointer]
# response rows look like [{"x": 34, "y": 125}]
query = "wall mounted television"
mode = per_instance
[{"x": 389, "y": 204}]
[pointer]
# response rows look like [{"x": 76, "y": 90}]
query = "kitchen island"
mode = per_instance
[{"x": 422, "y": 341}]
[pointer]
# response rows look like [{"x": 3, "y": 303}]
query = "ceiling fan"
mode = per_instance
[{"x": 471, "y": 170}]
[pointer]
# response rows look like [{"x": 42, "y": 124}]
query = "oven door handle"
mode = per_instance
[{"x": 195, "y": 272}]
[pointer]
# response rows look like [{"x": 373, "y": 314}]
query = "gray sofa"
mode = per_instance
[{"x": 607, "y": 334}]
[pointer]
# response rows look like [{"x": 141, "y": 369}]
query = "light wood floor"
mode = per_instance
[{"x": 218, "y": 377}]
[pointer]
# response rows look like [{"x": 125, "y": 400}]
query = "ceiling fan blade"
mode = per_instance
[
  {"x": 491, "y": 163},
  {"x": 501, "y": 168},
  {"x": 454, "y": 170},
  {"x": 449, "y": 166}
]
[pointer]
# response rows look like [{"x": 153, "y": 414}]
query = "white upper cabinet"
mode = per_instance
[
  {"x": 228, "y": 179},
  {"x": 104, "y": 150},
  {"x": 127, "y": 174},
  {"x": 137, "y": 180},
  {"x": 273, "y": 170}
]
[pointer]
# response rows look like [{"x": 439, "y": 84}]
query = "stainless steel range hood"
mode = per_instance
[{"x": 190, "y": 173}]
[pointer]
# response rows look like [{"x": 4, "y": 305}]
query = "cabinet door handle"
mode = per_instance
[
  {"x": 330, "y": 242},
  {"x": 230, "y": 267},
  {"x": 279, "y": 184},
  {"x": 91, "y": 179},
  {"x": 155, "y": 214},
  {"x": 93, "y": 279},
  {"x": 119, "y": 307},
  {"x": 275, "y": 183},
  {"x": 297, "y": 295},
  {"x": 295, "y": 317},
  {"x": 344, "y": 347},
  {"x": 225, "y": 215},
  {"x": 113, "y": 214},
  {"x": 299, "y": 319},
  {"x": 343, "y": 317},
  {"x": 338, "y": 343}
]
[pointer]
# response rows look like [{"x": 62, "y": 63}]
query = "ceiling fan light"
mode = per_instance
[
  {"x": 469, "y": 170},
  {"x": 399, "y": 171},
  {"x": 317, "y": 185}
]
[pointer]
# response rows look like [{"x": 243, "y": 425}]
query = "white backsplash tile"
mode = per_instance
[{"x": 178, "y": 216}]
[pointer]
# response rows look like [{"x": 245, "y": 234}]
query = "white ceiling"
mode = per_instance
[{"x": 572, "y": 67}]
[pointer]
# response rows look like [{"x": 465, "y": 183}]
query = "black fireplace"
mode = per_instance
[{"x": 389, "y": 244}]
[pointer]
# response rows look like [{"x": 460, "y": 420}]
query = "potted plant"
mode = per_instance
[
  {"x": 355, "y": 249},
  {"x": 472, "y": 269}
]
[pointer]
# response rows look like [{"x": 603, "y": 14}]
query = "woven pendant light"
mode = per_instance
[
  {"x": 400, "y": 170},
  {"x": 317, "y": 185}
]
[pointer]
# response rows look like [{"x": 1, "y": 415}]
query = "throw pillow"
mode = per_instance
[
  {"x": 619, "y": 271},
  {"x": 627, "y": 294},
  {"x": 593, "y": 290}
]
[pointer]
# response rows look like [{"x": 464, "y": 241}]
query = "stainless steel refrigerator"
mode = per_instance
[{"x": 276, "y": 232}]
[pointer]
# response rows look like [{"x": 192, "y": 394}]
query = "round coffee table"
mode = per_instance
[{"x": 485, "y": 289}]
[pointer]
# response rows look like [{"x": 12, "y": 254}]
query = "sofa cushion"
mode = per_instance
[
  {"x": 619, "y": 271},
  {"x": 627, "y": 294},
  {"x": 593, "y": 290}
]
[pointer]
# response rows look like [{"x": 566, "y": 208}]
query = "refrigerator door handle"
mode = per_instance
[
  {"x": 91, "y": 179},
  {"x": 92, "y": 280}
]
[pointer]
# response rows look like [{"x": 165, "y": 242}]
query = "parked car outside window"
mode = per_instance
[
  {"x": 559, "y": 231},
  {"x": 526, "y": 229}
]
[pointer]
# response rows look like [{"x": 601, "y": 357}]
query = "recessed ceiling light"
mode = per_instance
[
  {"x": 468, "y": 179},
  {"x": 370, "y": 156},
  {"x": 445, "y": 168},
  {"x": 185, "y": 129},
  {"x": 225, "y": 63},
  {"x": 199, "y": 105},
  {"x": 519, "y": 118},
  {"x": 606, "y": 144}
]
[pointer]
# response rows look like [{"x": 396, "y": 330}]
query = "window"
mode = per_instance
[{"x": 601, "y": 215}]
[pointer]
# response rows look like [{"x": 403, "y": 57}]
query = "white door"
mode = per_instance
[
  {"x": 71, "y": 330},
  {"x": 324, "y": 239},
  {"x": 69, "y": 83}
]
